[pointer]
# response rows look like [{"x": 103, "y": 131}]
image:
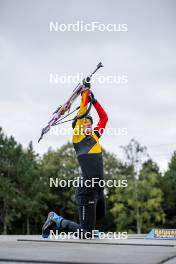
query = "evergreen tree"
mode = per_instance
[
  {"x": 10, "y": 152},
  {"x": 168, "y": 186},
  {"x": 150, "y": 197}
]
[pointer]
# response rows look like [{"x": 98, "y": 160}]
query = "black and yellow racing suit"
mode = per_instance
[{"x": 90, "y": 200}]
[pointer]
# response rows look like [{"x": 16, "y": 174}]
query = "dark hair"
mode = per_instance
[
  {"x": 90, "y": 118},
  {"x": 75, "y": 120}
]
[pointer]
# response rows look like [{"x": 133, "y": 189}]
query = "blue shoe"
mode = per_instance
[{"x": 53, "y": 221}]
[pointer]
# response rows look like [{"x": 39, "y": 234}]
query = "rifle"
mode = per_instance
[{"x": 59, "y": 113}]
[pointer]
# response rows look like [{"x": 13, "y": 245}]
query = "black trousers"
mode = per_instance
[{"x": 90, "y": 210}]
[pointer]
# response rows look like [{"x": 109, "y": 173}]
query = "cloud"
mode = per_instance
[{"x": 146, "y": 53}]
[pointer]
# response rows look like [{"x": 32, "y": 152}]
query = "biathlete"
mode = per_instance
[{"x": 90, "y": 200}]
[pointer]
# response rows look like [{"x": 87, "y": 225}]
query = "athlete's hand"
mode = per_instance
[{"x": 86, "y": 82}]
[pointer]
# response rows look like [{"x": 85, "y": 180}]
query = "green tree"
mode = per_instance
[
  {"x": 135, "y": 156},
  {"x": 122, "y": 201},
  {"x": 168, "y": 186},
  {"x": 10, "y": 151},
  {"x": 150, "y": 197},
  {"x": 30, "y": 187},
  {"x": 61, "y": 165}
]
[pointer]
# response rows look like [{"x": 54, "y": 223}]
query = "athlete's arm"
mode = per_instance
[
  {"x": 83, "y": 103},
  {"x": 82, "y": 110},
  {"x": 103, "y": 119}
]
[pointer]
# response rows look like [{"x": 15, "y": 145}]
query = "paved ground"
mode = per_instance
[{"x": 134, "y": 250}]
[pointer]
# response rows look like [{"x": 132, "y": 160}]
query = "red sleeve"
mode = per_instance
[{"x": 103, "y": 118}]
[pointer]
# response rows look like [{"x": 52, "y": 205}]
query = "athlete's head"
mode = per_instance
[{"x": 87, "y": 125}]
